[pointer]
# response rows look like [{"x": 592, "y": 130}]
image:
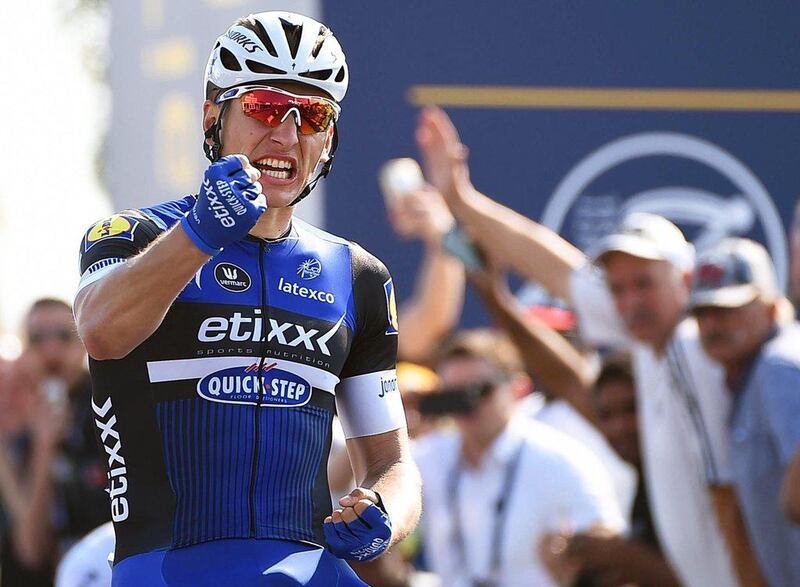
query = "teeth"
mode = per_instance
[
  {"x": 274, "y": 163},
  {"x": 277, "y": 174}
]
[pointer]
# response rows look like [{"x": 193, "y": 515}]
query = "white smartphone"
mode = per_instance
[{"x": 398, "y": 177}]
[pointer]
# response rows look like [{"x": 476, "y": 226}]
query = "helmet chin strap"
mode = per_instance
[{"x": 213, "y": 151}]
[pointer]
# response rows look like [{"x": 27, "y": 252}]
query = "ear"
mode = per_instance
[
  {"x": 210, "y": 114},
  {"x": 521, "y": 385}
]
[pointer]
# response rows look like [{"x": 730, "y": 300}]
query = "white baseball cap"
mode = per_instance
[
  {"x": 647, "y": 236},
  {"x": 733, "y": 273}
]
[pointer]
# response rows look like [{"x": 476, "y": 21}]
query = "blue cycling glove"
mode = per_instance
[
  {"x": 227, "y": 208},
  {"x": 363, "y": 539}
]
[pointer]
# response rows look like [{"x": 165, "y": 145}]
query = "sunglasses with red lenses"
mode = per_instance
[{"x": 271, "y": 106}]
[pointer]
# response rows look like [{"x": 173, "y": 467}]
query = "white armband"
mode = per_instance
[
  {"x": 100, "y": 269},
  {"x": 370, "y": 404}
]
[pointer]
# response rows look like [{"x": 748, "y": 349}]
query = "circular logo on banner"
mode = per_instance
[
  {"x": 232, "y": 277},
  {"x": 585, "y": 211}
]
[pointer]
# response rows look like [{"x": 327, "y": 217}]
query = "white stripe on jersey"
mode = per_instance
[{"x": 183, "y": 369}]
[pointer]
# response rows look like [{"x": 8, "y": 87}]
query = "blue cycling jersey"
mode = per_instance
[{"x": 218, "y": 426}]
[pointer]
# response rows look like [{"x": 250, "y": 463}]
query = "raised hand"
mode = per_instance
[{"x": 444, "y": 157}]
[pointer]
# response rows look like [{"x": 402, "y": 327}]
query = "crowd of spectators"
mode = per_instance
[{"x": 638, "y": 424}]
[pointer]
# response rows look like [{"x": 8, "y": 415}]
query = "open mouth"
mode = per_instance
[{"x": 274, "y": 167}]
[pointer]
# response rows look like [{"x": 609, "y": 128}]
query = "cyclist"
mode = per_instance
[{"x": 224, "y": 333}]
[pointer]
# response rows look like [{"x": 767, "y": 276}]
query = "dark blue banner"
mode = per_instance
[{"x": 577, "y": 112}]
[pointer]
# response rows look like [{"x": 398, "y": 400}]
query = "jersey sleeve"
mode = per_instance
[
  {"x": 110, "y": 242},
  {"x": 598, "y": 319},
  {"x": 367, "y": 398}
]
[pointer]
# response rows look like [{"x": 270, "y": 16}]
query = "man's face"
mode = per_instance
[
  {"x": 491, "y": 413},
  {"x": 650, "y": 296},
  {"x": 616, "y": 407},
  {"x": 274, "y": 147},
  {"x": 53, "y": 339},
  {"x": 734, "y": 335}
]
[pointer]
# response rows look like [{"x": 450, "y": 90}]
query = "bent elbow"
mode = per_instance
[{"x": 102, "y": 344}]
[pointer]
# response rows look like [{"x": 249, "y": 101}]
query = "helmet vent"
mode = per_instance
[
  {"x": 229, "y": 60},
  {"x": 262, "y": 35},
  {"x": 293, "y": 34},
  {"x": 257, "y": 67},
  {"x": 340, "y": 75},
  {"x": 323, "y": 34},
  {"x": 322, "y": 74}
]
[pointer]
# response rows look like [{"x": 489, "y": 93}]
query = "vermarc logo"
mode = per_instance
[{"x": 232, "y": 277}]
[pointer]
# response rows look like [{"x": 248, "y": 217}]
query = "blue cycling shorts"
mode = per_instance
[{"x": 236, "y": 563}]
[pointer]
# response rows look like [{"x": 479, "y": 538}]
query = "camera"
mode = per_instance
[{"x": 454, "y": 401}]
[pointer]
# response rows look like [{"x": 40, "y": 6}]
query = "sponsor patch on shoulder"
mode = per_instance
[
  {"x": 391, "y": 308},
  {"x": 116, "y": 226}
]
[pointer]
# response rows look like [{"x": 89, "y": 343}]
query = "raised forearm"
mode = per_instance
[
  {"x": 532, "y": 250},
  {"x": 435, "y": 307},
  {"x": 120, "y": 311},
  {"x": 554, "y": 362}
]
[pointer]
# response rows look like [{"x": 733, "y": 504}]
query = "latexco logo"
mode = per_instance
[
  {"x": 232, "y": 277},
  {"x": 305, "y": 292}
]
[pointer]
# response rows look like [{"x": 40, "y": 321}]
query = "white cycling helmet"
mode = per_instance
[
  {"x": 274, "y": 47},
  {"x": 277, "y": 46}
]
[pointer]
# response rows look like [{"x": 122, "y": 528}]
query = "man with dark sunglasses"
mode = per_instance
[
  {"x": 223, "y": 333},
  {"x": 52, "y": 482},
  {"x": 496, "y": 486}
]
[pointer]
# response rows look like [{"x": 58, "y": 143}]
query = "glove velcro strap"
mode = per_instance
[{"x": 188, "y": 228}]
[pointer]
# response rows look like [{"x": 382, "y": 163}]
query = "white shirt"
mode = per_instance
[
  {"x": 683, "y": 408},
  {"x": 86, "y": 564},
  {"x": 563, "y": 417},
  {"x": 559, "y": 485}
]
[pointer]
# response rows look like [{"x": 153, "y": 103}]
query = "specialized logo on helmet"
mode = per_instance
[
  {"x": 267, "y": 386},
  {"x": 242, "y": 39},
  {"x": 115, "y": 226},
  {"x": 232, "y": 277},
  {"x": 391, "y": 308},
  {"x": 309, "y": 269}
]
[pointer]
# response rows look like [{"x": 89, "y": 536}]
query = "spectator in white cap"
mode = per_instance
[
  {"x": 632, "y": 293},
  {"x": 738, "y": 305}
]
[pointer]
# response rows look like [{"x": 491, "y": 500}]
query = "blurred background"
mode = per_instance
[{"x": 573, "y": 114}]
